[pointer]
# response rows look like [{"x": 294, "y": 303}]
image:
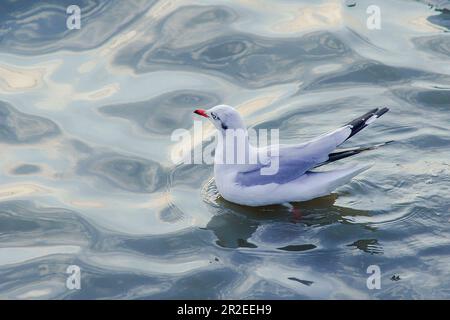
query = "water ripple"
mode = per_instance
[
  {"x": 17, "y": 127},
  {"x": 86, "y": 176}
]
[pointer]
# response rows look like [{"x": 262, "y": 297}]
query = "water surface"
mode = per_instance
[{"x": 86, "y": 176}]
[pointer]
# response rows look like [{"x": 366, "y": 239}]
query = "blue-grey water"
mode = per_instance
[{"x": 86, "y": 176}]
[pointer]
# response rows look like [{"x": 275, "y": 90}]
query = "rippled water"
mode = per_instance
[{"x": 86, "y": 177}]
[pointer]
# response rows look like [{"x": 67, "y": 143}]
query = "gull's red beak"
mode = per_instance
[{"x": 201, "y": 112}]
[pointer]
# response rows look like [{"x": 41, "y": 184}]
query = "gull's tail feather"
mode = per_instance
[
  {"x": 363, "y": 121},
  {"x": 327, "y": 181}
]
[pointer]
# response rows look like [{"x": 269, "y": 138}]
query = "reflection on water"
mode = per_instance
[
  {"x": 161, "y": 114},
  {"x": 131, "y": 174},
  {"x": 86, "y": 177},
  {"x": 234, "y": 225},
  {"x": 18, "y": 127},
  {"x": 368, "y": 245}
]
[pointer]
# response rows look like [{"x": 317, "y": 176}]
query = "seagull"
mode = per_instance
[{"x": 295, "y": 178}]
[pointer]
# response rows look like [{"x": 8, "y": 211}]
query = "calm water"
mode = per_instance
[{"x": 86, "y": 177}]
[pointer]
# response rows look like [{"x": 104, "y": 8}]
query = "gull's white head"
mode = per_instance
[{"x": 223, "y": 117}]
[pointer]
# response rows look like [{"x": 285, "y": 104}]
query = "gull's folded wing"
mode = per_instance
[
  {"x": 290, "y": 162},
  {"x": 293, "y": 161}
]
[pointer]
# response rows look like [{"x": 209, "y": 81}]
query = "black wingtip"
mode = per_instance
[
  {"x": 360, "y": 123},
  {"x": 382, "y": 111},
  {"x": 363, "y": 118},
  {"x": 344, "y": 153}
]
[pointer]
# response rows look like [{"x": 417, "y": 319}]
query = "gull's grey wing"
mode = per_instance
[{"x": 293, "y": 161}]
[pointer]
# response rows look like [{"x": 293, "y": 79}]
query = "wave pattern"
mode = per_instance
[{"x": 86, "y": 178}]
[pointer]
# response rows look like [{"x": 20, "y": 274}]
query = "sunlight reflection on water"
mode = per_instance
[{"x": 86, "y": 177}]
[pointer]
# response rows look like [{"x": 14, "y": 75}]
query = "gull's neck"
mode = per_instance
[{"x": 234, "y": 151}]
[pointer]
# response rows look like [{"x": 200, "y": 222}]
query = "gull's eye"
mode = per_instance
[{"x": 213, "y": 115}]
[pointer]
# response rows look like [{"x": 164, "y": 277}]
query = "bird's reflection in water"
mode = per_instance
[
  {"x": 233, "y": 224},
  {"x": 371, "y": 246}
]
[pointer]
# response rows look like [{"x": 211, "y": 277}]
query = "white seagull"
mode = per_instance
[{"x": 247, "y": 184}]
